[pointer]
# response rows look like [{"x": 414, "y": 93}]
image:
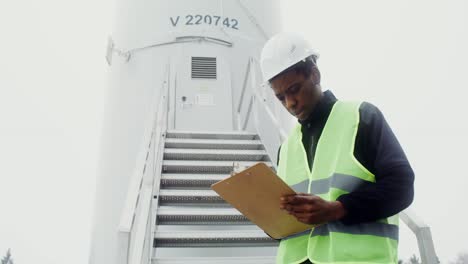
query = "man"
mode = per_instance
[{"x": 350, "y": 173}]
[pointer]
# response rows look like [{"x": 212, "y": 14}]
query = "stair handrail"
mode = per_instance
[
  {"x": 259, "y": 103},
  {"x": 157, "y": 174},
  {"x": 242, "y": 94},
  {"x": 126, "y": 54},
  {"x": 282, "y": 133},
  {"x": 260, "y": 98},
  {"x": 255, "y": 95},
  {"x": 423, "y": 235},
  {"x": 135, "y": 214}
]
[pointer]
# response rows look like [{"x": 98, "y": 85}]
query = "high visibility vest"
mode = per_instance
[{"x": 335, "y": 171}]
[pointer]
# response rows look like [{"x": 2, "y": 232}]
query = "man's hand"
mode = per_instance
[{"x": 311, "y": 209}]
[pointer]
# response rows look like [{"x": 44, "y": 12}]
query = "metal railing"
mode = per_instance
[
  {"x": 158, "y": 162},
  {"x": 127, "y": 54},
  {"x": 242, "y": 95},
  {"x": 257, "y": 106},
  {"x": 281, "y": 132},
  {"x": 136, "y": 221},
  {"x": 423, "y": 235}
]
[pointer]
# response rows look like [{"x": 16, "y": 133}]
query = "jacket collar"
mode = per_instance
[{"x": 321, "y": 110}]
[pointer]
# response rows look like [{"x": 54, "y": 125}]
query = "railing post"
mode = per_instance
[
  {"x": 241, "y": 97},
  {"x": 423, "y": 236}
]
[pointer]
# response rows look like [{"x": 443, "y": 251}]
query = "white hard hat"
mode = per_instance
[{"x": 282, "y": 51}]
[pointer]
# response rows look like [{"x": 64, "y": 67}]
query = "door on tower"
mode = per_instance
[{"x": 203, "y": 96}]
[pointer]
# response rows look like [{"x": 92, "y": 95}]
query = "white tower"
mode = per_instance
[
  {"x": 185, "y": 101},
  {"x": 174, "y": 65}
]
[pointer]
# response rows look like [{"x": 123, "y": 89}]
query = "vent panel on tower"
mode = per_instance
[{"x": 203, "y": 68}]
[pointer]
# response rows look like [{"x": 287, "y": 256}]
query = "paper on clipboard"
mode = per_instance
[{"x": 256, "y": 193}]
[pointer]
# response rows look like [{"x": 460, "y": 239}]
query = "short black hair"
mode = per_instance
[{"x": 303, "y": 67}]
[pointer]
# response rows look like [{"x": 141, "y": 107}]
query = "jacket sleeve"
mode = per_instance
[{"x": 378, "y": 149}]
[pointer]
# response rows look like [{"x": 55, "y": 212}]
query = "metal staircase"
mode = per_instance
[{"x": 193, "y": 224}]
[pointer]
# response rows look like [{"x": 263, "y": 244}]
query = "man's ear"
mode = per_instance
[{"x": 315, "y": 74}]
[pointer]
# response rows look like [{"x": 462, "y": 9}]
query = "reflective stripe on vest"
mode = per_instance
[
  {"x": 303, "y": 187},
  {"x": 371, "y": 228},
  {"x": 335, "y": 171},
  {"x": 344, "y": 182}
]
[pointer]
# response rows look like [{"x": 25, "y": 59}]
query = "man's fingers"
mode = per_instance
[
  {"x": 305, "y": 215},
  {"x": 302, "y": 215},
  {"x": 300, "y": 208},
  {"x": 296, "y": 209},
  {"x": 299, "y": 199},
  {"x": 309, "y": 218},
  {"x": 286, "y": 198},
  {"x": 298, "y": 203}
]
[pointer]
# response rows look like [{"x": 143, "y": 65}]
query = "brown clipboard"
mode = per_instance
[{"x": 256, "y": 193}]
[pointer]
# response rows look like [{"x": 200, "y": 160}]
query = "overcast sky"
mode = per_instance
[{"x": 407, "y": 57}]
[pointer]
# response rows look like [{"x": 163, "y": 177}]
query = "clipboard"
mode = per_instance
[{"x": 256, "y": 192}]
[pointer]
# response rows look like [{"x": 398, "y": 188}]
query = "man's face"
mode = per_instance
[{"x": 297, "y": 93}]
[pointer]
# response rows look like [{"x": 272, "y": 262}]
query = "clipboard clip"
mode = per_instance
[{"x": 236, "y": 168}]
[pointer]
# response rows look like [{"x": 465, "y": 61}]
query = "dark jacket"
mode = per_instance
[{"x": 377, "y": 148}]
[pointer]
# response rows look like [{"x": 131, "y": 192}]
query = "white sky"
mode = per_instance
[{"x": 407, "y": 57}]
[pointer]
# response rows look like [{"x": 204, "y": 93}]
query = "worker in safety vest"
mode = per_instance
[{"x": 342, "y": 158}]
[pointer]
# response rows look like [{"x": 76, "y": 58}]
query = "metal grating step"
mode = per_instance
[
  {"x": 211, "y": 135},
  {"x": 215, "y": 154},
  {"x": 172, "y": 215},
  {"x": 216, "y": 260},
  {"x": 177, "y": 180},
  {"x": 213, "y": 252},
  {"x": 193, "y": 197},
  {"x": 214, "y": 167},
  {"x": 212, "y": 143},
  {"x": 203, "y": 238}
]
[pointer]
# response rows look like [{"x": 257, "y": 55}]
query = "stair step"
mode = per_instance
[
  {"x": 212, "y": 143},
  {"x": 194, "y": 197},
  {"x": 215, "y": 238},
  {"x": 215, "y": 154},
  {"x": 179, "y": 180},
  {"x": 173, "y": 215},
  {"x": 214, "y": 167},
  {"x": 216, "y": 260},
  {"x": 213, "y": 252},
  {"x": 211, "y": 135}
]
